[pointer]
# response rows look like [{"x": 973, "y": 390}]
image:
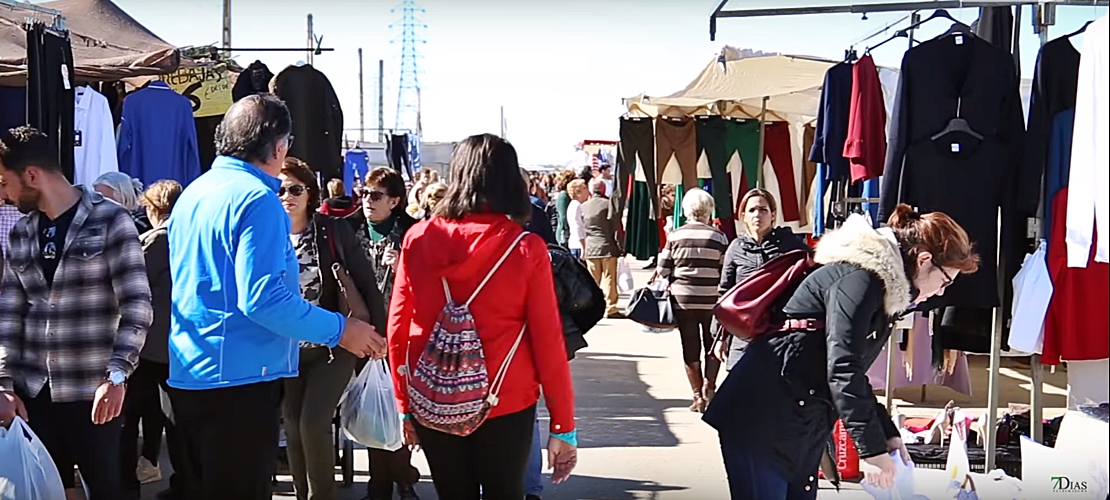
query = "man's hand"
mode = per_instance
[
  {"x": 562, "y": 457},
  {"x": 895, "y": 444},
  {"x": 108, "y": 403},
  {"x": 10, "y": 407},
  {"x": 362, "y": 339}
]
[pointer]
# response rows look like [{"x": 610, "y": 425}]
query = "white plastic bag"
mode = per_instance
[
  {"x": 624, "y": 276},
  {"x": 368, "y": 415},
  {"x": 26, "y": 470},
  {"x": 903, "y": 482}
]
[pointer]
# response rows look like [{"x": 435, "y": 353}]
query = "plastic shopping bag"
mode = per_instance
[
  {"x": 368, "y": 415},
  {"x": 26, "y": 470},
  {"x": 903, "y": 482},
  {"x": 624, "y": 276}
]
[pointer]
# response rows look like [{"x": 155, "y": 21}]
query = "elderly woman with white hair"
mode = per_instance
[
  {"x": 122, "y": 189},
  {"x": 692, "y": 261}
]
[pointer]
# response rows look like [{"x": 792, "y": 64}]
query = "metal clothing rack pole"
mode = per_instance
[
  {"x": 59, "y": 17},
  {"x": 762, "y": 139}
]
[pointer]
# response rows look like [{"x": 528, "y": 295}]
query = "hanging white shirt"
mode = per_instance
[
  {"x": 94, "y": 141},
  {"x": 1088, "y": 182},
  {"x": 576, "y": 226}
]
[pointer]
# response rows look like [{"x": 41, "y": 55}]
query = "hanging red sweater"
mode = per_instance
[
  {"x": 865, "y": 147},
  {"x": 1078, "y": 321}
]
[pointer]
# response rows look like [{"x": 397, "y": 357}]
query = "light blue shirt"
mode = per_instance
[{"x": 237, "y": 314}]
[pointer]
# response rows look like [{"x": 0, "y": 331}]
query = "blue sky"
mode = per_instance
[{"x": 559, "y": 67}]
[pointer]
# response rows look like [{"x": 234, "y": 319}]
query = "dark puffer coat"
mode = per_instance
[
  {"x": 782, "y": 398},
  {"x": 581, "y": 301},
  {"x": 743, "y": 257}
]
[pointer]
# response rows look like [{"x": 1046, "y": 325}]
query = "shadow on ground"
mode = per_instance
[
  {"x": 590, "y": 488},
  {"x": 614, "y": 408}
]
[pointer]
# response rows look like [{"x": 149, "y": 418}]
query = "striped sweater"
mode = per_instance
[{"x": 692, "y": 261}]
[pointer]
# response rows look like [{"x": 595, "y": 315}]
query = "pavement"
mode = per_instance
[{"x": 637, "y": 437}]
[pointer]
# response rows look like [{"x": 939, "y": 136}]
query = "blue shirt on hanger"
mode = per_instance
[
  {"x": 1058, "y": 167},
  {"x": 158, "y": 137}
]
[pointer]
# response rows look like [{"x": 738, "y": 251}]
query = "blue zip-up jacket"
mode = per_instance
[{"x": 237, "y": 309}]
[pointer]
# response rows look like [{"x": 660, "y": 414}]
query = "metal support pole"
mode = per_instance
[
  {"x": 311, "y": 41},
  {"x": 361, "y": 101},
  {"x": 227, "y": 28},
  {"x": 381, "y": 100},
  {"x": 762, "y": 139},
  {"x": 892, "y": 344}
]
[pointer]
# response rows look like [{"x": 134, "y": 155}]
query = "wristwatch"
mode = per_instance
[{"x": 116, "y": 377}]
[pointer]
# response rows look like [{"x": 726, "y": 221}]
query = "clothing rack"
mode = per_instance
[
  {"x": 1043, "y": 17},
  {"x": 59, "y": 23}
]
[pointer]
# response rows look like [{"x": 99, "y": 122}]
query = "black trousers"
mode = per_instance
[
  {"x": 695, "y": 329},
  {"x": 637, "y": 143},
  {"x": 142, "y": 405},
  {"x": 230, "y": 439},
  {"x": 71, "y": 437},
  {"x": 712, "y": 131},
  {"x": 489, "y": 464}
]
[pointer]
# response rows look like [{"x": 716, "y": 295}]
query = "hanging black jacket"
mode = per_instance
[
  {"x": 581, "y": 301},
  {"x": 782, "y": 398},
  {"x": 253, "y": 80},
  {"x": 317, "y": 119}
]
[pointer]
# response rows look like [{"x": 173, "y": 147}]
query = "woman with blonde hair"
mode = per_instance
[
  {"x": 691, "y": 261},
  {"x": 433, "y": 194}
]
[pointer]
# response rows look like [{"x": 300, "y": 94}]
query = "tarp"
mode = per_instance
[
  {"x": 108, "y": 44},
  {"x": 736, "y": 82}
]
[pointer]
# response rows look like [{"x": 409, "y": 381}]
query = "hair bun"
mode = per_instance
[{"x": 903, "y": 217}]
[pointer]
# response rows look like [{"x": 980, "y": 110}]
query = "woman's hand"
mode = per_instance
[
  {"x": 389, "y": 257},
  {"x": 409, "y": 437},
  {"x": 879, "y": 471},
  {"x": 562, "y": 457},
  {"x": 720, "y": 350}
]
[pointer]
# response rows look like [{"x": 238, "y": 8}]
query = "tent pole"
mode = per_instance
[{"x": 762, "y": 139}]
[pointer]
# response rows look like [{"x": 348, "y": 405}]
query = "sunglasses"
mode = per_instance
[
  {"x": 371, "y": 194},
  {"x": 295, "y": 190}
]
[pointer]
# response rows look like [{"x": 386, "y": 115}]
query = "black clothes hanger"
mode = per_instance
[
  {"x": 850, "y": 55},
  {"x": 957, "y": 124},
  {"x": 1078, "y": 31}
]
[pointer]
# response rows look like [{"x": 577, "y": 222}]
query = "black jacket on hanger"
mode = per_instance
[
  {"x": 317, "y": 119},
  {"x": 253, "y": 80},
  {"x": 971, "y": 180},
  {"x": 50, "y": 94}
]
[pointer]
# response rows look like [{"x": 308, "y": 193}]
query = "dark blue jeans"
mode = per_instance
[{"x": 751, "y": 477}]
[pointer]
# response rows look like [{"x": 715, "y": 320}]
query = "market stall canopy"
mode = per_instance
[
  {"x": 108, "y": 44},
  {"x": 736, "y": 82}
]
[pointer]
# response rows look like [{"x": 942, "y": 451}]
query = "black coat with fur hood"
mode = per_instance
[{"x": 782, "y": 398}]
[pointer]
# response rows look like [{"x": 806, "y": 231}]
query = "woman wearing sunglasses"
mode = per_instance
[
  {"x": 310, "y": 399},
  {"x": 381, "y": 226},
  {"x": 777, "y": 407}
]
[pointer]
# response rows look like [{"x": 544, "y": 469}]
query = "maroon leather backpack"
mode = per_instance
[{"x": 746, "y": 310}]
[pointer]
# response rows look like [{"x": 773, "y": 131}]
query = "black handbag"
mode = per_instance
[{"x": 652, "y": 308}]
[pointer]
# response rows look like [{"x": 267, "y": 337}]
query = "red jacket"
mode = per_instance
[{"x": 522, "y": 290}]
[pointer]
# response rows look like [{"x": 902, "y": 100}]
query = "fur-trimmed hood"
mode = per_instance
[{"x": 856, "y": 242}]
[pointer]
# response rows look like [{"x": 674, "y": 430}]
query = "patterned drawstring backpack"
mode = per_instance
[{"x": 449, "y": 389}]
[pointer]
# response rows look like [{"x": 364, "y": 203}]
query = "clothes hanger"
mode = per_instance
[
  {"x": 850, "y": 54},
  {"x": 957, "y": 124},
  {"x": 1078, "y": 31}
]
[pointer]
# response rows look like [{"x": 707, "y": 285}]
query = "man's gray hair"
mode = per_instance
[
  {"x": 127, "y": 189},
  {"x": 598, "y": 186},
  {"x": 697, "y": 205},
  {"x": 252, "y": 128}
]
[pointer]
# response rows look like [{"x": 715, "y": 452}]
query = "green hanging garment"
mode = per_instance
[{"x": 641, "y": 238}]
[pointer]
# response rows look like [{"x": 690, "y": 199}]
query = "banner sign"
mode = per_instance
[{"x": 208, "y": 88}]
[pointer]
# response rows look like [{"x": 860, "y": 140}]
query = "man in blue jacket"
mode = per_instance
[{"x": 238, "y": 314}]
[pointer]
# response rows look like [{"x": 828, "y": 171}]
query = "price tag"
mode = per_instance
[
  {"x": 959, "y": 39},
  {"x": 65, "y": 77},
  {"x": 955, "y": 147},
  {"x": 904, "y": 323}
]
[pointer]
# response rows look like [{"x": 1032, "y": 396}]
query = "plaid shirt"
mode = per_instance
[
  {"x": 92, "y": 320},
  {"x": 9, "y": 215}
]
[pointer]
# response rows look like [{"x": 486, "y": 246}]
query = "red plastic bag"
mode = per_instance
[{"x": 846, "y": 456}]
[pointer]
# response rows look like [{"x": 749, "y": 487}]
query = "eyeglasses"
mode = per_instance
[
  {"x": 295, "y": 190},
  {"x": 947, "y": 279},
  {"x": 289, "y": 142}
]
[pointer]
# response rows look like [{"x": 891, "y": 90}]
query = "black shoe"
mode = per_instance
[
  {"x": 408, "y": 493},
  {"x": 651, "y": 265},
  {"x": 616, "y": 315},
  {"x": 166, "y": 494},
  {"x": 532, "y": 497}
]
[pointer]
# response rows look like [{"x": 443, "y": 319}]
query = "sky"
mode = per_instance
[{"x": 559, "y": 68}]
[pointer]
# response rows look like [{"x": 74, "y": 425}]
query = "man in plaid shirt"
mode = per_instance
[{"x": 74, "y": 312}]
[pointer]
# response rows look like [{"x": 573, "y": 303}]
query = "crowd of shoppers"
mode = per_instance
[{"x": 235, "y": 298}]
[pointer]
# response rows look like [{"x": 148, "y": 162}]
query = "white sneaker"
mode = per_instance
[{"x": 147, "y": 472}]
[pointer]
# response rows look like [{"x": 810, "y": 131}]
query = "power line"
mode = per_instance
[{"x": 411, "y": 39}]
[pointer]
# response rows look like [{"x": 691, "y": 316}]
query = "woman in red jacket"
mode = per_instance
[{"x": 476, "y": 223}]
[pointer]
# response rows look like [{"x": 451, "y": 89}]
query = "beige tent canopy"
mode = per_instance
[
  {"x": 108, "y": 44},
  {"x": 736, "y": 84}
]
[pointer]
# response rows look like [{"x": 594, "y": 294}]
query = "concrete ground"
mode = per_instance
[{"x": 638, "y": 438}]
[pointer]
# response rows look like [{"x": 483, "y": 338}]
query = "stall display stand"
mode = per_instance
[{"x": 1043, "y": 17}]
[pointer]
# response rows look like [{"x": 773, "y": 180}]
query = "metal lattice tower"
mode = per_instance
[{"x": 408, "y": 90}]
